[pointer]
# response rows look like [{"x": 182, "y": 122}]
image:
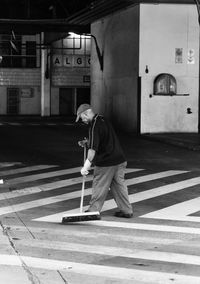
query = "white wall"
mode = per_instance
[
  {"x": 163, "y": 28},
  {"x": 30, "y": 106},
  {"x": 114, "y": 91}
]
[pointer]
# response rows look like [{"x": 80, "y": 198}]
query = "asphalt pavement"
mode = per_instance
[{"x": 40, "y": 163}]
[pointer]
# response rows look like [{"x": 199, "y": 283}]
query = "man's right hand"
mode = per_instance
[{"x": 83, "y": 143}]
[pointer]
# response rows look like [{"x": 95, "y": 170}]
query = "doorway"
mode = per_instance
[
  {"x": 13, "y": 101},
  {"x": 71, "y": 98},
  {"x": 66, "y": 101},
  {"x": 82, "y": 96}
]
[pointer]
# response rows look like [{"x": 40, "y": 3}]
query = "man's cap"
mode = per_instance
[{"x": 81, "y": 109}]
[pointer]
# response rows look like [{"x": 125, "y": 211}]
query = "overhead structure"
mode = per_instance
[
  {"x": 102, "y": 8},
  {"x": 60, "y": 15}
]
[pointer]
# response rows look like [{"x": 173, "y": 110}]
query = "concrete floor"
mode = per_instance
[{"x": 40, "y": 163}]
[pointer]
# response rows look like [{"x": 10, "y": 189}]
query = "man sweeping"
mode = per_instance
[{"x": 106, "y": 154}]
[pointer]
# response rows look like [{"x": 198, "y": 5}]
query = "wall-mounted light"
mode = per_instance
[{"x": 99, "y": 53}]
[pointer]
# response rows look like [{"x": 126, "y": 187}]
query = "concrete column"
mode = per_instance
[{"x": 45, "y": 82}]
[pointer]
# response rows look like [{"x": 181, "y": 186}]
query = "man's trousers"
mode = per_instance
[{"x": 112, "y": 178}]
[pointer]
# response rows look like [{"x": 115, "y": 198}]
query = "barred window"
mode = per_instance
[{"x": 19, "y": 51}]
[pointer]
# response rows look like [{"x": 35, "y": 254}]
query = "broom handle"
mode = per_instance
[{"x": 83, "y": 184}]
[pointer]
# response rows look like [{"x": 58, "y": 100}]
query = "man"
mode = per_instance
[{"x": 105, "y": 152}]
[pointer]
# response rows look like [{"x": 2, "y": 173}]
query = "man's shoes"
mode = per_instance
[{"x": 121, "y": 214}]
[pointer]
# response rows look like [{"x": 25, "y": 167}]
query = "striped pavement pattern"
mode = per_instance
[{"x": 106, "y": 251}]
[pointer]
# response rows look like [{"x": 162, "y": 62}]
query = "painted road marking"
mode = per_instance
[
  {"x": 26, "y": 169},
  {"x": 135, "y": 197},
  {"x": 42, "y": 176},
  {"x": 50, "y": 174},
  {"x": 178, "y": 212},
  {"x": 143, "y": 227},
  {"x": 113, "y": 251},
  {"x": 109, "y": 204},
  {"x": 92, "y": 234},
  {"x": 51, "y": 186},
  {"x": 154, "y": 176},
  {"x": 6, "y": 164},
  {"x": 98, "y": 270},
  {"x": 44, "y": 201}
]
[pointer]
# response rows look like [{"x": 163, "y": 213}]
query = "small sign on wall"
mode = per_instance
[
  {"x": 27, "y": 93},
  {"x": 179, "y": 55},
  {"x": 190, "y": 58}
]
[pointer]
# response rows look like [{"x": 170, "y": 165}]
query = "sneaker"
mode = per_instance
[{"x": 121, "y": 214}]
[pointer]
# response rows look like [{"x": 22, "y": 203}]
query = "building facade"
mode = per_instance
[
  {"x": 41, "y": 79},
  {"x": 140, "y": 43}
]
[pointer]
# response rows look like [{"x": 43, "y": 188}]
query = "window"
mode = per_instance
[
  {"x": 31, "y": 54},
  {"x": 165, "y": 84},
  {"x": 18, "y": 51}
]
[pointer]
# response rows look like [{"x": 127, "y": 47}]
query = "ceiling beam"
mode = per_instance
[
  {"x": 101, "y": 8},
  {"x": 36, "y": 26}
]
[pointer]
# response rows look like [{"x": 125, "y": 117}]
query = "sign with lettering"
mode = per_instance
[
  {"x": 57, "y": 60},
  {"x": 71, "y": 60},
  {"x": 27, "y": 93}
]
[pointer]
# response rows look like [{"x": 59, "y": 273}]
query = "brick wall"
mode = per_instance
[
  {"x": 20, "y": 77},
  {"x": 62, "y": 76}
]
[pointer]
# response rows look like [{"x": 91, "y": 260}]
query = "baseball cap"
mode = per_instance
[{"x": 81, "y": 109}]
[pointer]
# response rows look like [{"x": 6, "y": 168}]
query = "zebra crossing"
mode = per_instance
[{"x": 153, "y": 247}]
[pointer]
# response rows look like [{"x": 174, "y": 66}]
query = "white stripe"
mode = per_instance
[
  {"x": 100, "y": 270},
  {"x": 58, "y": 198},
  {"x": 91, "y": 235},
  {"x": 51, "y": 186},
  {"x": 26, "y": 169},
  {"x": 178, "y": 211},
  {"x": 114, "y": 251},
  {"x": 143, "y": 227},
  {"x": 42, "y": 176},
  {"x": 136, "y": 197},
  {"x": 154, "y": 176},
  {"x": 6, "y": 164},
  {"x": 47, "y": 175},
  {"x": 41, "y": 202}
]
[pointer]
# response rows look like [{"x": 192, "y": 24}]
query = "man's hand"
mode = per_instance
[
  {"x": 83, "y": 143},
  {"x": 84, "y": 172},
  {"x": 86, "y": 167}
]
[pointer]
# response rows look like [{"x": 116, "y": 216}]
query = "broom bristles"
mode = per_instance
[{"x": 79, "y": 217}]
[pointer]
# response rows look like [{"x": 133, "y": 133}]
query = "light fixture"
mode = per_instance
[{"x": 99, "y": 53}]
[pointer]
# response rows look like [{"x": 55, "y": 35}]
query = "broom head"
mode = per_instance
[{"x": 80, "y": 217}]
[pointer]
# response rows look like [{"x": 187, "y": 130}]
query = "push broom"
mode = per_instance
[{"x": 82, "y": 216}]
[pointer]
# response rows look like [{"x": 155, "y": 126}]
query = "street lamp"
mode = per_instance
[{"x": 99, "y": 53}]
